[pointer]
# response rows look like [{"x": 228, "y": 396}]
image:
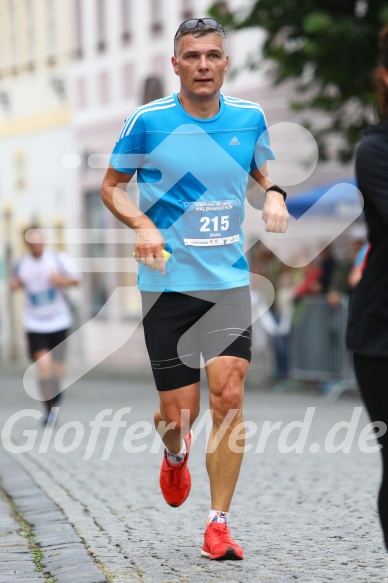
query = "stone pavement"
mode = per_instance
[
  {"x": 308, "y": 516},
  {"x": 36, "y": 541},
  {"x": 16, "y": 559}
]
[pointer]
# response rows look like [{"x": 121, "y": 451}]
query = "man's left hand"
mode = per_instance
[{"x": 275, "y": 213}]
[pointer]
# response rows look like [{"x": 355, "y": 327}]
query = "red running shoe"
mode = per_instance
[
  {"x": 219, "y": 545},
  {"x": 175, "y": 480}
]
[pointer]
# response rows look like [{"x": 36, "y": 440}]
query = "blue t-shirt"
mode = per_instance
[{"x": 192, "y": 175}]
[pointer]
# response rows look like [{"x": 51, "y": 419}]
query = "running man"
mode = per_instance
[
  {"x": 42, "y": 274},
  {"x": 193, "y": 152}
]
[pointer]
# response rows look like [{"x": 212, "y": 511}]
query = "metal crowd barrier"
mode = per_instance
[{"x": 317, "y": 345}]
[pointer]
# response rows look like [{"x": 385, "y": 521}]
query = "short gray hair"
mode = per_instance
[{"x": 201, "y": 30}]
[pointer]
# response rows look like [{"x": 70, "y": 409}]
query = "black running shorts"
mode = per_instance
[
  {"x": 178, "y": 327},
  {"x": 47, "y": 341}
]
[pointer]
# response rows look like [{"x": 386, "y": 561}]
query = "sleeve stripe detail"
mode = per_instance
[
  {"x": 242, "y": 102},
  {"x": 244, "y": 106},
  {"x": 238, "y": 99},
  {"x": 144, "y": 108},
  {"x": 129, "y": 129}
]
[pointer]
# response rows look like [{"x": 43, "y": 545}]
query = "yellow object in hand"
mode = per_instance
[{"x": 166, "y": 256}]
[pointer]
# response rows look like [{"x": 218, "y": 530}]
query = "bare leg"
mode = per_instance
[
  {"x": 226, "y": 376},
  {"x": 58, "y": 374},
  {"x": 44, "y": 364},
  {"x": 179, "y": 407},
  {"x": 58, "y": 370}
]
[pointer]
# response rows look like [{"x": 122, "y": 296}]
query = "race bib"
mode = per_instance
[
  {"x": 42, "y": 298},
  {"x": 212, "y": 223}
]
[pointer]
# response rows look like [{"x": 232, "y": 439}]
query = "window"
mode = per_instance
[
  {"x": 156, "y": 16},
  {"x": 13, "y": 34},
  {"x": 81, "y": 93},
  {"x": 103, "y": 87},
  {"x": 78, "y": 29},
  {"x": 51, "y": 30},
  {"x": 96, "y": 219},
  {"x": 153, "y": 89},
  {"x": 128, "y": 81},
  {"x": 1, "y": 51},
  {"x": 4, "y": 101},
  {"x": 187, "y": 9},
  {"x": 101, "y": 25},
  {"x": 125, "y": 21},
  {"x": 20, "y": 169},
  {"x": 30, "y": 31}
]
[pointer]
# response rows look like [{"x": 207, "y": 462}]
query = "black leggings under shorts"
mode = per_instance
[
  {"x": 372, "y": 373},
  {"x": 38, "y": 341},
  {"x": 178, "y": 327}
]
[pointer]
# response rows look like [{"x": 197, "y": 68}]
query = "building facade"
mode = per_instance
[{"x": 36, "y": 134}]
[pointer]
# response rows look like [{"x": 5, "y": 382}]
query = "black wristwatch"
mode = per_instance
[{"x": 278, "y": 189}]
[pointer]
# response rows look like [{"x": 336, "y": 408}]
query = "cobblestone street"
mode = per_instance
[{"x": 308, "y": 516}]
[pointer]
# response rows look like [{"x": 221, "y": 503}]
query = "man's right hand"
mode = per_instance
[
  {"x": 148, "y": 248},
  {"x": 149, "y": 241},
  {"x": 15, "y": 283}
]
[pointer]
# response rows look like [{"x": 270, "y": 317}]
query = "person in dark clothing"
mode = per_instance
[
  {"x": 344, "y": 276},
  {"x": 327, "y": 263},
  {"x": 367, "y": 335}
]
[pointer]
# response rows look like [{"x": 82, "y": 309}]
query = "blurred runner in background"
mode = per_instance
[{"x": 43, "y": 274}]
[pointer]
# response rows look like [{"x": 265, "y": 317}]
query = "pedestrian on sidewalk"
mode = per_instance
[
  {"x": 43, "y": 274},
  {"x": 193, "y": 152},
  {"x": 367, "y": 335}
]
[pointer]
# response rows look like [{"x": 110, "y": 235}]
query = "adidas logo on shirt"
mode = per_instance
[{"x": 234, "y": 142}]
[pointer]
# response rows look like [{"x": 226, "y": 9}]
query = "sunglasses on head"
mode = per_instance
[{"x": 192, "y": 23}]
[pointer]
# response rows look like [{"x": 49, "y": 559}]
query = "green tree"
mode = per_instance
[{"x": 329, "y": 49}]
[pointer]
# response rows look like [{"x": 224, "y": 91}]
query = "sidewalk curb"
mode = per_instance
[{"x": 65, "y": 557}]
